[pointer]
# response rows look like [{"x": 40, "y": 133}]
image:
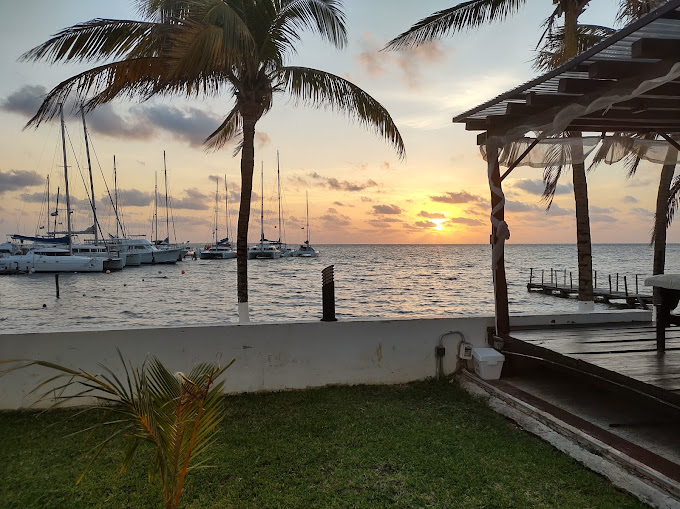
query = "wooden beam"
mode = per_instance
[
  {"x": 655, "y": 48},
  {"x": 476, "y": 124},
  {"x": 577, "y": 86},
  {"x": 670, "y": 140},
  {"x": 643, "y": 103},
  {"x": 617, "y": 69},
  {"x": 481, "y": 138},
  {"x": 514, "y": 164}
]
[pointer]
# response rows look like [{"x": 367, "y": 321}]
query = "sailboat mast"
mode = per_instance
[
  {"x": 307, "y": 200},
  {"x": 217, "y": 197},
  {"x": 155, "y": 205},
  {"x": 56, "y": 213},
  {"x": 68, "y": 198},
  {"x": 167, "y": 215},
  {"x": 89, "y": 169},
  {"x": 48, "y": 206},
  {"x": 115, "y": 194},
  {"x": 262, "y": 202},
  {"x": 278, "y": 185},
  {"x": 226, "y": 203}
]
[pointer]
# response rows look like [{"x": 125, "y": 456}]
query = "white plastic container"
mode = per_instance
[{"x": 488, "y": 363}]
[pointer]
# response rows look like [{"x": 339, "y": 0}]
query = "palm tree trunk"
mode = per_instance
[
  {"x": 661, "y": 216},
  {"x": 583, "y": 241},
  {"x": 247, "y": 166}
]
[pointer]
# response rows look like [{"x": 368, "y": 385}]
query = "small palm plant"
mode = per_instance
[{"x": 176, "y": 413}]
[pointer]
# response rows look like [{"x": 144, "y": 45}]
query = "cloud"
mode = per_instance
[
  {"x": 469, "y": 221},
  {"x": 431, "y": 215},
  {"x": 332, "y": 211},
  {"x": 262, "y": 139},
  {"x": 193, "y": 200},
  {"x": 410, "y": 61},
  {"x": 537, "y": 186},
  {"x": 134, "y": 198},
  {"x": 106, "y": 121},
  {"x": 600, "y": 210},
  {"x": 461, "y": 197},
  {"x": 332, "y": 221},
  {"x": 337, "y": 185},
  {"x": 556, "y": 210},
  {"x": 339, "y": 204},
  {"x": 639, "y": 182},
  {"x": 35, "y": 198},
  {"x": 187, "y": 124},
  {"x": 386, "y": 209},
  {"x": 642, "y": 212},
  {"x": 518, "y": 206},
  {"x": 215, "y": 178},
  {"x": 385, "y": 165},
  {"x": 366, "y": 199},
  {"x": 25, "y": 101},
  {"x": 602, "y": 218},
  {"x": 630, "y": 199},
  {"x": 382, "y": 223},
  {"x": 14, "y": 180},
  {"x": 298, "y": 181},
  {"x": 425, "y": 224}
]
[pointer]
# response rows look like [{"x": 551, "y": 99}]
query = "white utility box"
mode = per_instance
[{"x": 488, "y": 363}]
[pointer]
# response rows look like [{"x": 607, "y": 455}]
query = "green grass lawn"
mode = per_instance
[{"x": 424, "y": 444}]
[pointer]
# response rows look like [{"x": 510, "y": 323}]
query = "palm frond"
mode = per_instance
[
  {"x": 555, "y": 166},
  {"x": 322, "y": 89},
  {"x": 324, "y": 17},
  {"x": 465, "y": 15},
  {"x": 552, "y": 52},
  {"x": 228, "y": 130},
  {"x": 673, "y": 200},
  {"x": 631, "y": 10},
  {"x": 92, "y": 40}
]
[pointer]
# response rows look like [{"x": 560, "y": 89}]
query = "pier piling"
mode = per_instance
[
  {"x": 328, "y": 294},
  {"x": 56, "y": 283}
]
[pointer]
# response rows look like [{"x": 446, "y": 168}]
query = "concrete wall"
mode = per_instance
[{"x": 268, "y": 356}]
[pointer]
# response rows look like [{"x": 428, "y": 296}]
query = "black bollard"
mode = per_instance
[
  {"x": 328, "y": 295},
  {"x": 56, "y": 282}
]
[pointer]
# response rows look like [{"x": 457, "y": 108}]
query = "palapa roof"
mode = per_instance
[{"x": 629, "y": 82}]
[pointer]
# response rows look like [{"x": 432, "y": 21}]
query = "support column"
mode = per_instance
[{"x": 499, "y": 234}]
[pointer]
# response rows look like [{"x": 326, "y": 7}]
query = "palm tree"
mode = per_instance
[
  {"x": 176, "y": 414},
  {"x": 206, "y": 47}
]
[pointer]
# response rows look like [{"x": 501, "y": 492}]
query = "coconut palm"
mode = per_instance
[
  {"x": 206, "y": 48},
  {"x": 175, "y": 414}
]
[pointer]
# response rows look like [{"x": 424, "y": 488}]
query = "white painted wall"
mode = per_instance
[{"x": 268, "y": 356}]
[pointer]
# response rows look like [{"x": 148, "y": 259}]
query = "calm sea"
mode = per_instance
[{"x": 371, "y": 281}]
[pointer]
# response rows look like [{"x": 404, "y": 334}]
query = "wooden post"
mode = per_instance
[
  {"x": 328, "y": 295},
  {"x": 571, "y": 281},
  {"x": 542, "y": 274},
  {"x": 637, "y": 292},
  {"x": 625, "y": 285},
  {"x": 617, "y": 281},
  {"x": 531, "y": 274},
  {"x": 499, "y": 279},
  {"x": 595, "y": 279},
  {"x": 610, "y": 283},
  {"x": 56, "y": 282},
  {"x": 551, "y": 276},
  {"x": 564, "y": 279}
]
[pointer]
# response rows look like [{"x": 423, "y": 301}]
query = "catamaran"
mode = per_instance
[
  {"x": 305, "y": 250},
  {"x": 221, "y": 249},
  {"x": 265, "y": 250}
]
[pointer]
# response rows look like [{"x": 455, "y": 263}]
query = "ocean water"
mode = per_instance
[{"x": 371, "y": 281}]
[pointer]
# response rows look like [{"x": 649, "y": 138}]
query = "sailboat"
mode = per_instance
[
  {"x": 222, "y": 249},
  {"x": 305, "y": 250},
  {"x": 164, "y": 245},
  {"x": 45, "y": 258},
  {"x": 265, "y": 249},
  {"x": 280, "y": 245}
]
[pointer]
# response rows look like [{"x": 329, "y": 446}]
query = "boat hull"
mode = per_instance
[{"x": 40, "y": 263}]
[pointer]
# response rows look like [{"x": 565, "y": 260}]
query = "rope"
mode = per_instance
[{"x": 501, "y": 227}]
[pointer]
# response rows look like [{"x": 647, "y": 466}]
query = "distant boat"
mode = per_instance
[
  {"x": 305, "y": 250},
  {"x": 221, "y": 249},
  {"x": 280, "y": 244},
  {"x": 265, "y": 250}
]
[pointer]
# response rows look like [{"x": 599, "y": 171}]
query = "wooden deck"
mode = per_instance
[
  {"x": 613, "y": 297},
  {"x": 622, "y": 354}
]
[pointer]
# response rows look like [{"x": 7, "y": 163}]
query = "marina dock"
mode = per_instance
[{"x": 616, "y": 291}]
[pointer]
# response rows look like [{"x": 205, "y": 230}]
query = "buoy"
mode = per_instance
[
  {"x": 159, "y": 272},
  {"x": 125, "y": 284},
  {"x": 108, "y": 271},
  {"x": 44, "y": 305},
  {"x": 182, "y": 271}
]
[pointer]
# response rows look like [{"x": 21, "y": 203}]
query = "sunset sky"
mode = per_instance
[{"x": 359, "y": 190}]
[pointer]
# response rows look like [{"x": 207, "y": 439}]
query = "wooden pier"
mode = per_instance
[{"x": 616, "y": 292}]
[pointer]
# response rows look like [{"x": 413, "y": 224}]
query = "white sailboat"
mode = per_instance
[
  {"x": 42, "y": 257},
  {"x": 164, "y": 244},
  {"x": 279, "y": 244},
  {"x": 305, "y": 250},
  {"x": 265, "y": 250},
  {"x": 221, "y": 249}
]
